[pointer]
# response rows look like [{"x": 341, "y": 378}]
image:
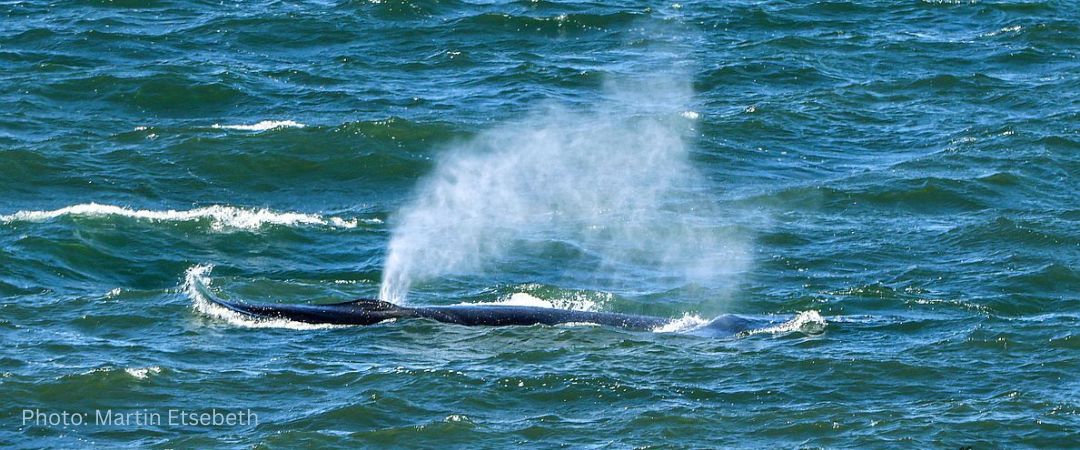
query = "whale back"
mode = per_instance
[{"x": 356, "y": 312}]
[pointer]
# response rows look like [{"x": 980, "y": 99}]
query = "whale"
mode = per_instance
[{"x": 366, "y": 311}]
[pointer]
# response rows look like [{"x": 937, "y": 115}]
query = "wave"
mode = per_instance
[
  {"x": 221, "y": 217},
  {"x": 261, "y": 126},
  {"x": 808, "y": 322},
  {"x": 142, "y": 373},
  {"x": 161, "y": 93},
  {"x": 688, "y": 322},
  {"x": 138, "y": 373},
  {"x": 552, "y": 24},
  {"x": 920, "y": 194}
]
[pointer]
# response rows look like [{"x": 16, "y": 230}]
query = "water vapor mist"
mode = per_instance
[{"x": 612, "y": 183}]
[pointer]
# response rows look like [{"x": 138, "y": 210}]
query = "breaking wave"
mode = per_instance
[
  {"x": 221, "y": 217},
  {"x": 808, "y": 322},
  {"x": 261, "y": 126}
]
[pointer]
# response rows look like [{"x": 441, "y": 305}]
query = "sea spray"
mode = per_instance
[{"x": 611, "y": 185}]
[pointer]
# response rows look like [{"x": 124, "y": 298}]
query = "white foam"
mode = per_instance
[
  {"x": 809, "y": 322},
  {"x": 692, "y": 115},
  {"x": 97, "y": 370},
  {"x": 261, "y": 126},
  {"x": 1005, "y": 30},
  {"x": 196, "y": 280},
  {"x": 577, "y": 302},
  {"x": 523, "y": 299},
  {"x": 144, "y": 372},
  {"x": 683, "y": 324},
  {"x": 577, "y": 324},
  {"x": 140, "y": 373},
  {"x": 956, "y": 303},
  {"x": 221, "y": 217}
]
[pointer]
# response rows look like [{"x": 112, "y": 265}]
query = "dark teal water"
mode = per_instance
[{"x": 907, "y": 170}]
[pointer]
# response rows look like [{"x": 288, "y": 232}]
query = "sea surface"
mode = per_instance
[{"x": 894, "y": 184}]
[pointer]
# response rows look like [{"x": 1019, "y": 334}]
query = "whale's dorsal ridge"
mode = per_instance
[{"x": 368, "y": 303}]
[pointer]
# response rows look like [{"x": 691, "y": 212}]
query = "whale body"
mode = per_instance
[{"x": 370, "y": 311}]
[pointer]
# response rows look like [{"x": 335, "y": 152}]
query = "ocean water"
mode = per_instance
[{"x": 893, "y": 184}]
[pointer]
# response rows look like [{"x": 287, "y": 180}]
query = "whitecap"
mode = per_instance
[
  {"x": 809, "y": 322},
  {"x": 683, "y": 324},
  {"x": 221, "y": 217},
  {"x": 576, "y": 302},
  {"x": 261, "y": 126},
  {"x": 142, "y": 373},
  {"x": 1012, "y": 29}
]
